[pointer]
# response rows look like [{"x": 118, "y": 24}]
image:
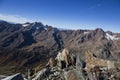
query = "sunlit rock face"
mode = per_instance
[{"x": 92, "y": 61}]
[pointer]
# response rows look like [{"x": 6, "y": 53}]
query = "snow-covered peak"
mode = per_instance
[
  {"x": 111, "y": 37},
  {"x": 38, "y": 25}
]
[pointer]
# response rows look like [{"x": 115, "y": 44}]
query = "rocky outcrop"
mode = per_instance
[
  {"x": 66, "y": 58},
  {"x": 92, "y": 61},
  {"x": 14, "y": 77},
  {"x": 65, "y": 73},
  {"x": 52, "y": 62},
  {"x": 55, "y": 73}
]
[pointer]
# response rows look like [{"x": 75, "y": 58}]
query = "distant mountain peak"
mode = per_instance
[{"x": 99, "y": 30}]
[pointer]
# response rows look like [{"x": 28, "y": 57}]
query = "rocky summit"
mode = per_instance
[{"x": 34, "y": 46}]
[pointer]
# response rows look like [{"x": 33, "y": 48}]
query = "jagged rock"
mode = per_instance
[
  {"x": 66, "y": 58},
  {"x": 14, "y": 77},
  {"x": 79, "y": 63},
  {"x": 42, "y": 74},
  {"x": 52, "y": 62},
  {"x": 92, "y": 61},
  {"x": 74, "y": 75}
]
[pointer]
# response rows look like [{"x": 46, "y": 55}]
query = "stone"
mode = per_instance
[
  {"x": 17, "y": 76},
  {"x": 74, "y": 75}
]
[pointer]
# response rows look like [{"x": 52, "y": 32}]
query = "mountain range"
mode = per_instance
[{"x": 29, "y": 45}]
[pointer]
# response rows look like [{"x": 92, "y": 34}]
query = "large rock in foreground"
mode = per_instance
[{"x": 14, "y": 77}]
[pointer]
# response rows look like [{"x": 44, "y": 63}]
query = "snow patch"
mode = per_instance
[
  {"x": 37, "y": 27},
  {"x": 45, "y": 28},
  {"x": 86, "y": 32},
  {"x": 111, "y": 37},
  {"x": 24, "y": 25}
]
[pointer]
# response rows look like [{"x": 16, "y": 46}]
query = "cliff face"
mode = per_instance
[{"x": 31, "y": 44}]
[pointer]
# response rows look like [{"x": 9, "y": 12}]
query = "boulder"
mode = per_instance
[{"x": 74, "y": 75}]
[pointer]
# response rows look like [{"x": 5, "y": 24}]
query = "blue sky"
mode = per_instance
[{"x": 69, "y": 14}]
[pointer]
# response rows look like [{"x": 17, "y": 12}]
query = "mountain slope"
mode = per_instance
[{"x": 31, "y": 44}]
